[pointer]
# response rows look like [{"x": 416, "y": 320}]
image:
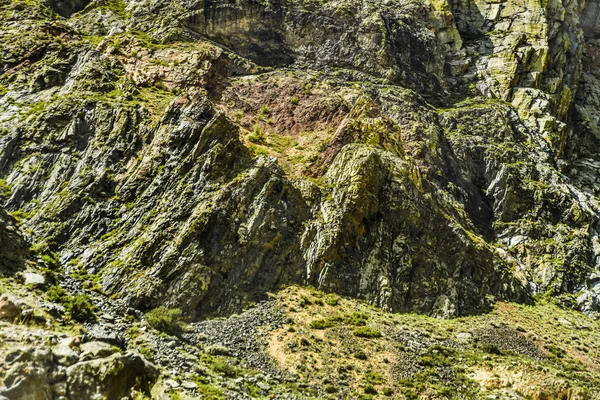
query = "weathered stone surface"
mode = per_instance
[
  {"x": 13, "y": 249},
  {"x": 26, "y": 377},
  {"x": 110, "y": 378},
  {"x": 39, "y": 374},
  {"x": 157, "y": 172},
  {"x": 10, "y": 308},
  {"x": 65, "y": 355},
  {"x": 91, "y": 350},
  {"x": 34, "y": 279},
  {"x": 102, "y": 333}
]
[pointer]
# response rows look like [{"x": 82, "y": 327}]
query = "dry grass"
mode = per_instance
[{"x": 400, "y": 358}]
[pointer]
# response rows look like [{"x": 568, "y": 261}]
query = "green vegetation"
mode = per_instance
[
  {"x": 322, "y": 324},
  {"x": 366, "y": 332},
  {"x": 332, "y": 299},
  {"x": 5, "y": 189},
  {"x": 168, "y": 320},
  {"x": 491, "y": 348},
  {"x": 206, "y": 389},
  {"x": 370, "y": 389},
  {"x": 264, "y": 112},
  {"x": 220, "y": 366},
  {"x": 21, "y": 215},
  {"x": 354, "y": 319},
  {"x": 435, "y": 368},
  {"x": 331, "y": 389},
  {"x": 78, "y": 307},
  {"x": 437, "y": 359},
  {"x": 257, "y": 135},
  {"x": 118, "y": 7}
]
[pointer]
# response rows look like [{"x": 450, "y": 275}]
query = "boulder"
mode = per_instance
[
  {"x": 26, "y": 378},
  {"x": 112, "y": 377},
  {"x": 10, "y": 308},
  {"x": 103, "y": 333},
  {"x": 34, "y": 279},
  {"x": 65, "y": 355},
  {"x": 92, "y": 350}
]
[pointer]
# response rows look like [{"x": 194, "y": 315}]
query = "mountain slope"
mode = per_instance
[{"x": 433, "y": 157}]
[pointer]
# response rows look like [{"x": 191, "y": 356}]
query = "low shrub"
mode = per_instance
[
  {"x": 370, "y": 389},
  {"x": 78, "y": 307},
  {"x": 221, "y": 367},
  {"x": 366, "y": 332},
  {"x": 322, "y": 324},
  {"x": 491, "y": 348},
  {"x": 168, "y": 320},
  {"x": 81, "y": 309}
]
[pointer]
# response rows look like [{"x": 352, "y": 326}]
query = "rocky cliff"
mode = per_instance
[
  {"x": 423, "y": 156},
  {"x": 431, "y": 156}
]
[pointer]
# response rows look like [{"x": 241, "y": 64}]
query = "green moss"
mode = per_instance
[
  {"x": 331, "y": 389},
  {"x": 356, "y": 319},
  {"x": 374, "y": 378},
  {"x": 5, "y": 189},
  {"x": 207, "y": 390},
  {"x": 116, "y": 6},
  {"x": 147, "y": 40},
  {"x": 264, "y": 111},
  {"x": 332, "y": 299},
  {"x": 280, "y": 143},
  {"x": 491, "y": 348},
  {"x": 146, "y": 351},
  {"x": 81, "y": 309},
  {"x": 94, "y": 40}
]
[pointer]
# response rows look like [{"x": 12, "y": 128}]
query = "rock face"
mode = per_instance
[
  {"x": 110, "y": 378},
  {"x": 430, "y": 156},
  {"x": 13, "y": 247},
  {"x": 44, "y": 373}
]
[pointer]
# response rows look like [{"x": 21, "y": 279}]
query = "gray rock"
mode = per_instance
[
  {"x": 464, "y": 337},
  {"x": 65, "y": 355},
  {"x": 172, "y": 383},
  {"x": 34, "y": 279},
  {"x": 91, "y": 350},
  {"x": 189, "y": 385},
  {"x": 263, "y": 386},
  {"x": 102, "y": 333},
  {"x": 26, "y": 378},
  {"x": 112, "y": 377}
]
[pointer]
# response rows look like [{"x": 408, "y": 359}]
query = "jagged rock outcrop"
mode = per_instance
[{"x": 199, "y": 155}]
